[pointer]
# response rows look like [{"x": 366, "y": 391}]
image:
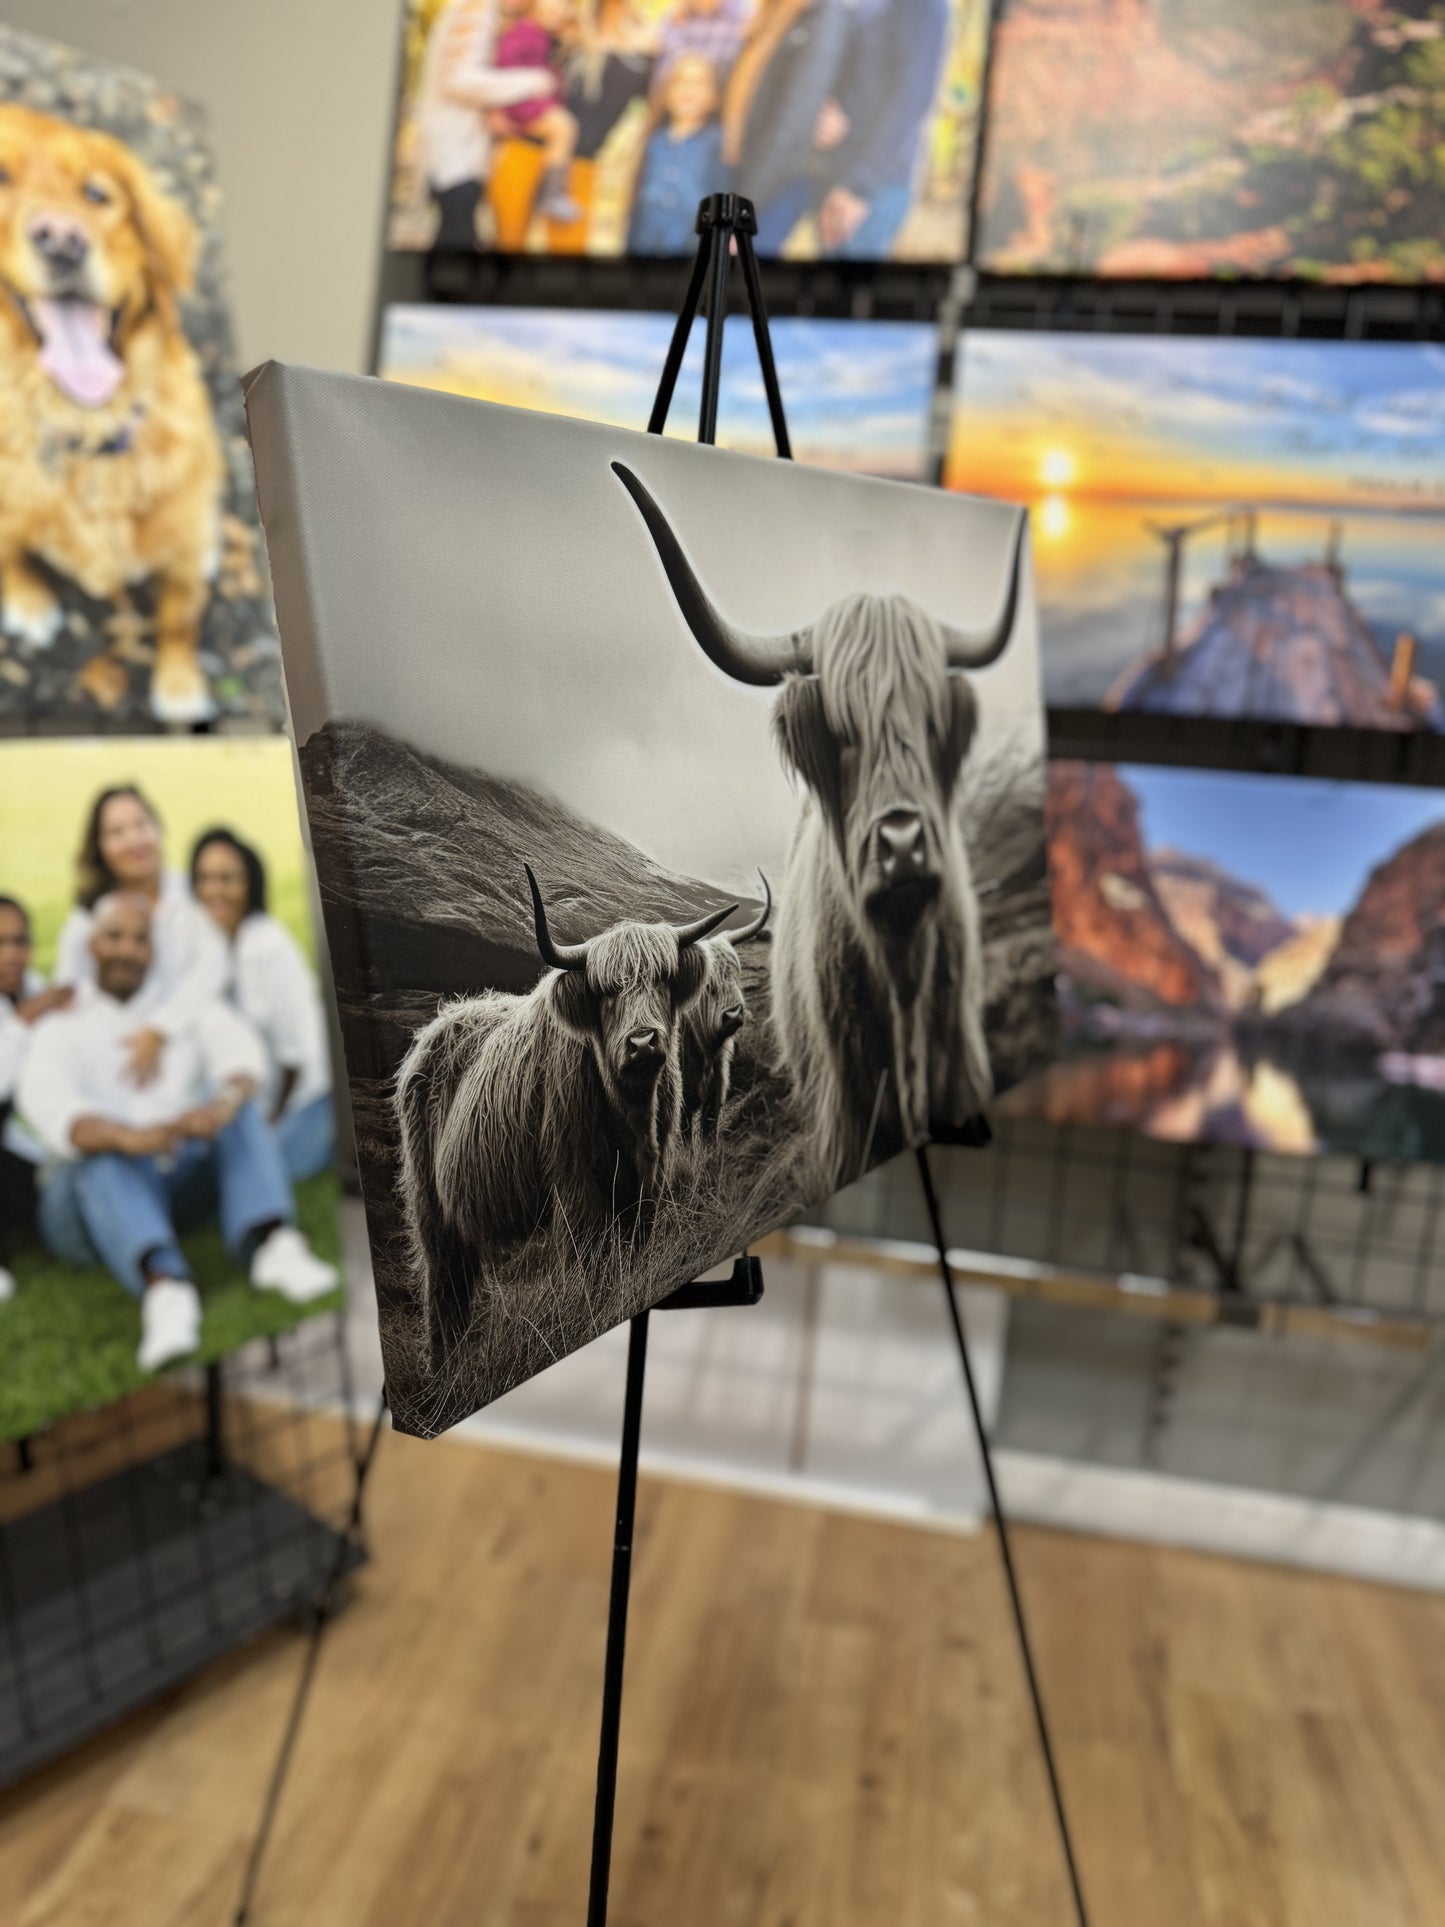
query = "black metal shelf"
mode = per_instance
[
  {"x": 893, "y": 291},
  {"x": 1241, "y": 743},
  {"x": 912, "y": 291},
  {"x": 1289, "y": 310},
  {"x": 172, "y": 1576}
]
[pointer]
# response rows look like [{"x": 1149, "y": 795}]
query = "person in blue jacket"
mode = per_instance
[
  {"x": 682, "y": 161},
  {"x": 826, "y": 114}
]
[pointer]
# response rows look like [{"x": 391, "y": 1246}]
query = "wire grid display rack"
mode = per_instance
[
  {"x": 1257, "y": 1227},
  {"x": 1358, "y": 1241},
  {"x": 140, "y": 1541}
]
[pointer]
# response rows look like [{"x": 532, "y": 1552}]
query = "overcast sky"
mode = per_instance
[{"x": 476, "y": 581}]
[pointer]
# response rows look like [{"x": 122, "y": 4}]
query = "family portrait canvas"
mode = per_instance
[
  {"x": 1222, "y": 528},
  {"x": 1175, "y": 139},
  {"x": 165, "y": 1072},
  {"x": 130, "y": 571},
  {"x": 597, "y": 126},
  {"x": 1250, "y": 960},
  {"x": 672, "y": 878},
  {"x": 859, "y": 393}
]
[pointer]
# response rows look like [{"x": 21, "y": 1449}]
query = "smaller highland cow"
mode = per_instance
[
  {"x": 557, "y": 1109},
  {"x": 710, "y": 1027}
]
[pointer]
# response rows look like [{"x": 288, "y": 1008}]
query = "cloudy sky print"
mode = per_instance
[
  {"x": 857, "y": 394},
  {"x": 1296, "y": 422}
]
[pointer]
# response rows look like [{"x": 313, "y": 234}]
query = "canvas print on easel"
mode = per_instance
[{"x": 677, "y": 816}]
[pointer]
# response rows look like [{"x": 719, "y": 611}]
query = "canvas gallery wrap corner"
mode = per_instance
[{"x": 678, "y": 818}]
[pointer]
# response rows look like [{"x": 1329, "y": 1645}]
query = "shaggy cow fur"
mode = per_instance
[
  {"x": 709, "y": 1031},
  {"x": 878, "y": 971},
  {"x": 879, "y": 985},
  {"x": 520, "y": 1112}
]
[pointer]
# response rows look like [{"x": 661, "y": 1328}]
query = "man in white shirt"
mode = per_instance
[
  {"x": 133, "y": 1160},
  {"x": 23, "y": 1001}
]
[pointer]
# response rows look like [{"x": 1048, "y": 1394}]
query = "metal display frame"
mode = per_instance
[{"x": 142, "y": 1540}]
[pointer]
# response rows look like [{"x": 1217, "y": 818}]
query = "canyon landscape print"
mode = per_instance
[{"x": 1248, "y": 960}]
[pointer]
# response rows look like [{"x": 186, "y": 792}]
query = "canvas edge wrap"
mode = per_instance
[{"x": 264, "y": 395}]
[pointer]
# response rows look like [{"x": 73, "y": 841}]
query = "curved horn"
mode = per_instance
[
  {"x": 758, "y": 660},
  {"x": 977, "y": 648},
  {"x": 755, "y": 928},
  {"x": 687, "y": 933},
  {"x": 561, "y": 956}
]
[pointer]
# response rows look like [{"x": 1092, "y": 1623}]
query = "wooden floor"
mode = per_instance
[{"x": 825, "y": 1727}]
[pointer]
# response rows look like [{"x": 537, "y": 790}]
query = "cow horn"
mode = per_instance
[
  {"x": 755, "y": 928},
  {"x": 687, "y": 933},
  {"x": 977, "y": 648},
  {"x": 561, "y": 956},
  {"x": 758, "y": 660}
]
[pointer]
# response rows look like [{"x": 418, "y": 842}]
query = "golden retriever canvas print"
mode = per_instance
[{"x": 129, "y": 572}]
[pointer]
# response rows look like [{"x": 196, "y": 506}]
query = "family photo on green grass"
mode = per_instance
[{"x": 167, "y": 1134}]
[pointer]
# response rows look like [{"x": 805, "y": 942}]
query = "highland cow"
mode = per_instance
[
  {"x": 710, "y": 1027},
  {"x": 555, "y": 1111},
  {"x": 878, "y": 970}
]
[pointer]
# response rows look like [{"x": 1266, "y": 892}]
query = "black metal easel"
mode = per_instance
[
  {"x": 935, "y": 1221},
  {"x": 725, "y": 222}
]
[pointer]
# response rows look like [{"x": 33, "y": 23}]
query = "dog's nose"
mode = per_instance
[
  {"x": 901, "y": 850},
  {"x": 644, "y": 1043},
  {"x": 60, "y": 241}
]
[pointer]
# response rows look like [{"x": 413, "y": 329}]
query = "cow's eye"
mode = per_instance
[{"x": 93, "y": 191}]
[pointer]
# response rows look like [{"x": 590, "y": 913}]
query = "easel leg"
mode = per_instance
[
  {"x": 215, "y": 1427},
  {"x": 617, "y": 1626},
  {"x": 935, "y": 1220},
  {"x": 321, "y": 1617}
]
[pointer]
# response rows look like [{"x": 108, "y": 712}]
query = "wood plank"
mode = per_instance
[{"x": 825, "y": 1726}]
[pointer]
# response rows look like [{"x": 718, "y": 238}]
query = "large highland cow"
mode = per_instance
[
  {"x": 556, "y": 1109},
  {"x": 878, "y": 973}
]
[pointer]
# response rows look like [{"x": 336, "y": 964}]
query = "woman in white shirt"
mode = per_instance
[
  {"x": 275, "y": 990},
  {"x": 123, "y": 849}
]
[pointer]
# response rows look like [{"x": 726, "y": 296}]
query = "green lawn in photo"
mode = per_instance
[{"x": 68, "y": 1337}]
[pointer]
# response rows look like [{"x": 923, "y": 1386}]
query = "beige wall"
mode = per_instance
[{"x": 299, "y": 94}]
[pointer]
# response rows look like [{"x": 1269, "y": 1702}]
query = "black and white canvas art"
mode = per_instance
[{"x": 678, "y": 819}]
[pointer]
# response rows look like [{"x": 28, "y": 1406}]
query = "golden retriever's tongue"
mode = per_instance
[{"x": 75, "y": 351}]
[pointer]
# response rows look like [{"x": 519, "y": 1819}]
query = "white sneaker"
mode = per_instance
[
  {"x": 7, "y": 1284},
  {"x": 170, "y": 1323},
  {"x": 286, "y": 1263}
]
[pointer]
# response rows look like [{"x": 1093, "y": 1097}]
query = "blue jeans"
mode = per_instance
[
  {"x": 124, "y": 1212},
  {"x": 873, "y": 241},
  {"x": 308, "y": 1139}
]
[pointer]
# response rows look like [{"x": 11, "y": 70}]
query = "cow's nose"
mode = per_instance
[
  {"x": 644, "y": 1043},
  {"x": 901, "y": 851},
  {"x": 59, "y": 241},
  {"x": 732, "y": 1020}
]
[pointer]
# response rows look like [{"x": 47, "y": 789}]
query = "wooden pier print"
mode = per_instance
[{"x": 1283, "y": 643}]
